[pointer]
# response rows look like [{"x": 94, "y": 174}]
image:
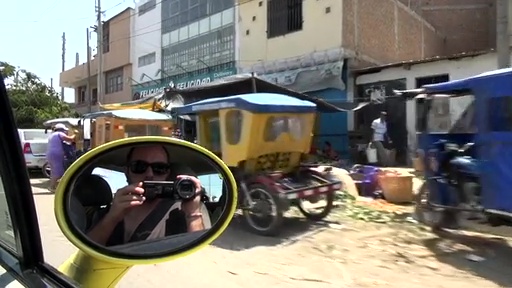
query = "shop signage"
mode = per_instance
[{"x": 141, "y": 91}]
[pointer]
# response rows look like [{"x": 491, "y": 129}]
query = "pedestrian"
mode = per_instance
[
  {"x": 381, "y": 140},
  {"x": 55, "y": 154}
]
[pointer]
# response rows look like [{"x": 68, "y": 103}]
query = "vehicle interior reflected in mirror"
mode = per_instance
[{"x": 146, "y": 192}]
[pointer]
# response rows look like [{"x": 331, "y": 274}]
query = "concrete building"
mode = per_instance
[
  {"x": 117, "y": 65},
  {"x": 197, "y": 44},
  {"x": 311, "y": 46},
  {"x": 146, "y": 48}
]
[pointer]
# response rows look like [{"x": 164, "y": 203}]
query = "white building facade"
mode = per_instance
[{"x": 146, "y": 48}]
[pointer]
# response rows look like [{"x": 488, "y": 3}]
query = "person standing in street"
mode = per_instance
[{"x": 381, "y": 141}]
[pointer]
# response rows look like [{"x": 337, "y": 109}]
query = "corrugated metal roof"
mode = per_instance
[{"x": 458, "y": 56}]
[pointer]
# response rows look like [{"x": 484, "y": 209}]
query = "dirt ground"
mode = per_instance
[{"x": 339, "y": 252}]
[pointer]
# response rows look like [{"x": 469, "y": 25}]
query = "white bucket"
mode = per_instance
[{"x": 371, "y": 154}]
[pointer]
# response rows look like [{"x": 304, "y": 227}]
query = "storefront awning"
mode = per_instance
[{"x": 246, "y": 83}]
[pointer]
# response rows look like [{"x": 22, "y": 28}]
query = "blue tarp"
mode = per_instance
[
  {"x": 134, "y": 114},
  {"x": 254, "y": 102}
]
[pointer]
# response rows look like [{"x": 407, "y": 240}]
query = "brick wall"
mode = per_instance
[
  {"x": 468, "y": 25},
  {"x": 388, "y": 31}
]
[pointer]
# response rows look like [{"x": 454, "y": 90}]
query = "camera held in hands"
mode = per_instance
[{"x": 181, "y": 189}]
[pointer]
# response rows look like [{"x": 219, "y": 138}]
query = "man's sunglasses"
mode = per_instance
[{"x": 140, "y": 167}]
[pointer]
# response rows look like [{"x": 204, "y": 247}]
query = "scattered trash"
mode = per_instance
[
  {"x": 474, "y": 258},
  {"x": 336, "y": 226},
  {"x": 373, "y": 210}
]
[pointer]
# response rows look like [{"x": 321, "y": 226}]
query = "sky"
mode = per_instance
[{"x": 34, "y": 31}]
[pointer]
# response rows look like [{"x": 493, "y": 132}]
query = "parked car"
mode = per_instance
[{"x": 34, "y": 143}]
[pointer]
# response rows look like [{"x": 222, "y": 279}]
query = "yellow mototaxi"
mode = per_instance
[
  {"x": 263, "y": 138},
  {"x": 107, "y": 126}
]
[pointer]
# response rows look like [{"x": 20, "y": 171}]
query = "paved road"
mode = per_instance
[{"x": 233, "y": 261}]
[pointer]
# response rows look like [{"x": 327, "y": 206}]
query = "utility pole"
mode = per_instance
[
  {"x": 100, "y": 52},
  {"x": 89, "y": 92},
  {"x": 502, "y": 35},
  {"x": 63, "y": 63}
]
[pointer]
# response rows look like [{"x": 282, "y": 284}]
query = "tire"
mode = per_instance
[
  {"x": 273, "y": 228},
  {"x": 46, "y": 170},
  {"x": 321, "y": 215},
  {"x": 423, "y": 212}
]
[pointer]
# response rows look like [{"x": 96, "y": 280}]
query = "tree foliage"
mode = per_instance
[{"x": 32, "y": 101}]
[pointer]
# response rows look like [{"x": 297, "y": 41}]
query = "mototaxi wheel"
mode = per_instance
[
  {"x": 46, "y": 170},
  {"x": 265, "y": 206},
  {"x": 428, "y": 215},
  {"x": 321, "y": 214}
]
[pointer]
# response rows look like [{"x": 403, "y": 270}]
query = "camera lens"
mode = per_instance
[{"x": 186, "y": 189}]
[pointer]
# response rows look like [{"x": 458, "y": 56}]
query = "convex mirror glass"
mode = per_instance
[{"x": 147, "y": 199}]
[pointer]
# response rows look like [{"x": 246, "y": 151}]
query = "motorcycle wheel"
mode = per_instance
[{"x": 265, "y": 206}]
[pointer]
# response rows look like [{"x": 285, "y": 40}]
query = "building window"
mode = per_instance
[
  {"x": 434, "y": 79},
  {"x": 94, "y": 96},
  {"x": 283, "y": 17},
  {"x": 114, "y": 81},
  {"x": 106, "y": 37},
  {"x": 200, "y": 53},
  {"x": 146, "y": 7},
  {"x": 147, "y": 59},
  {"x": 81, "y": 94},
  {"x": 180, "y": 13}
]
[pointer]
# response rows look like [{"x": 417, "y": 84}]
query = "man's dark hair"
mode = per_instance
[{"x": 130, "y": 153}]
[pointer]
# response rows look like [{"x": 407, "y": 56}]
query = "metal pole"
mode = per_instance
[
  {"x": 502, "y": 36},
  {"x": 63, "y": 63},
  {"x": 100, "y": 53},
  {"x": 89, "y": 92}
]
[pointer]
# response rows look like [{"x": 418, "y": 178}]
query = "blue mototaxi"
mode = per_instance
[{"x": 465, "y": 141}]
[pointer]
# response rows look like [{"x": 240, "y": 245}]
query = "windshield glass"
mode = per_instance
[
  {"x": 212, "y": 183},
  {"x": 450, "y": 114},
  {"x": 35, "y": 135},
  {"x": 116, "y": 180}
]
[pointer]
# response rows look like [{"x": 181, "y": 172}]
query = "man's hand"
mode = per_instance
[
  {"x": 193, "y": 206},
  {"x": 125, "y": 198}
]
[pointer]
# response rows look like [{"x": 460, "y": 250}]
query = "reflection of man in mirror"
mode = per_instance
[{"x": 130, "y": 210}]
